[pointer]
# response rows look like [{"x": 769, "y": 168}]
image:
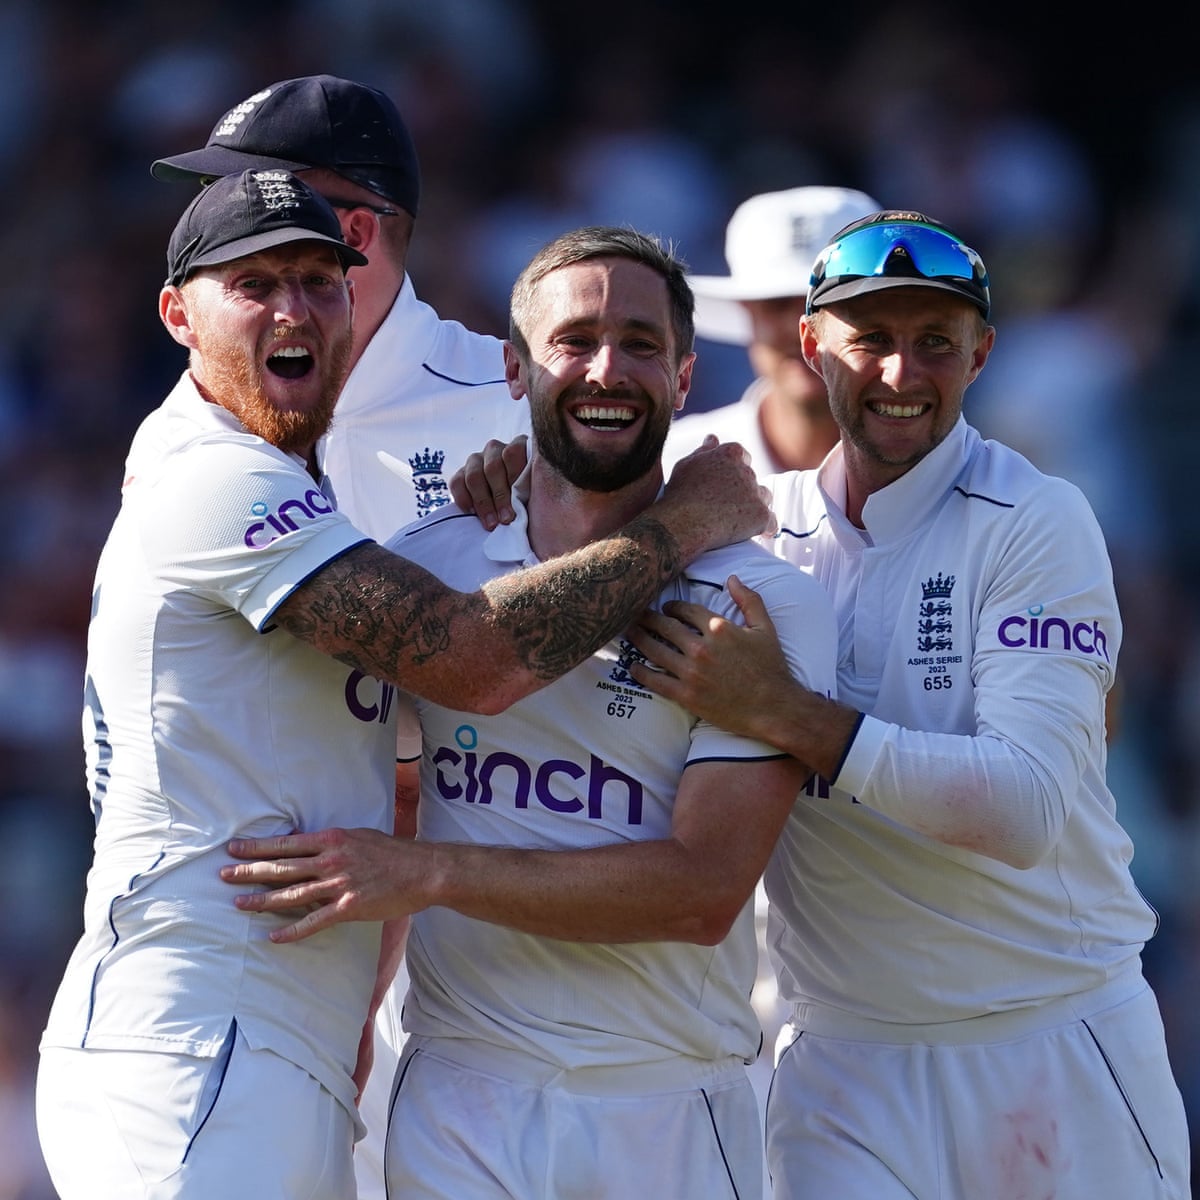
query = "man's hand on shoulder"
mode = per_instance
[
  {"x": 713, "y": 498},
  {"x": 483, "y": 484}
]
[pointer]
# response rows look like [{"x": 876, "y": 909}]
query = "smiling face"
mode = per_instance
[
  {"x": 603, "y": 373},
  {"x": 270, "y": 339},
  {"x": 896, "y": 363}
]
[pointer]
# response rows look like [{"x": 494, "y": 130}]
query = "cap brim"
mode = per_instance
[
  {"x": 213, "y": 162},
  {"x": 722, "y": 321},
  {"x": 271, "y": 238},
  {"x": 878, "y": 283},
  {"x": 719, "y": 312}
]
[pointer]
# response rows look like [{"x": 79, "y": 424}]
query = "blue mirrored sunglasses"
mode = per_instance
[{"x": 901, "y": 248}]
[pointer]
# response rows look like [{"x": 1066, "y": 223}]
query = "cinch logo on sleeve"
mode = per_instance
[
  {"x": 273, "y": 525},
  {"x": 558, "y": 784},
  {"x": 1034, "y": 629}
]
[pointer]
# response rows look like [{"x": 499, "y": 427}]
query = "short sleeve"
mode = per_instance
[{"x": 239, "y": 522}]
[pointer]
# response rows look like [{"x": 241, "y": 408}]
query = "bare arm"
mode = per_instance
[
  {"x": 687, "y": 887},
  {"x": 482, "y": 651}
]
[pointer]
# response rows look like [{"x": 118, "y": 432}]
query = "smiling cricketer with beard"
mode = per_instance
[
  {"x": 244, "y": 655},
  {"x": 583, "y": 949}
]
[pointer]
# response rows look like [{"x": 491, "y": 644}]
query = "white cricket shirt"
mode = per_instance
[
  {"x": 590, "y": 760},
  {"x": 204, "y": 722},
  {"x": 979, "y": 627},
  {"x": 426, "y": 392}
]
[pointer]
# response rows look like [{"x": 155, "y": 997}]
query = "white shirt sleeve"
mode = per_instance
[
  {"x": 240, "y": 524},
  {"x": 1007, "y": 790}
]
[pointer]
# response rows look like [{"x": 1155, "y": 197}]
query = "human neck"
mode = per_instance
[
  {"x": 563, "y": 517},
  {"x": 371, "y": 306},
  {"x": 865, "y": 477}
]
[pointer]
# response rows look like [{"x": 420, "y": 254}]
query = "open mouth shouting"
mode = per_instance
[{"x": 290, "y": 362}]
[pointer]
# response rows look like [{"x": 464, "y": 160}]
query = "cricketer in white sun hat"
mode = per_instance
[{"x": 770, "y": 243}]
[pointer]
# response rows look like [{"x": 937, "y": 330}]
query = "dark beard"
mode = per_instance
[
  {"x": 234, "y": 381},
  {"x": 589, "y": 471}
]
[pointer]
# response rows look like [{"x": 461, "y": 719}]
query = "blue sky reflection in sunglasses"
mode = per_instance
[{"x": 902, "y": 248}]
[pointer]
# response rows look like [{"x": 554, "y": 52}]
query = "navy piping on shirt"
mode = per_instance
[
  {"x": 460, "y": 382},
  {"x": 981, "y": 496}
]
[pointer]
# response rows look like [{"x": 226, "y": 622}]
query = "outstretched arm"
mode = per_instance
[
  {"x": 687, "y": 887},
  {"x": 480, "y": 652}
]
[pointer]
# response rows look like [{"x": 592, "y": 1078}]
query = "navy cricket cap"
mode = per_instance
[
  {"x": 895, "y": 248},
  {"x": 237, "y": 215},
  {"x": 315, "y": 121}
]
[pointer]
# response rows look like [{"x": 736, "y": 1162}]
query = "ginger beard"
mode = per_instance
[
  {"x": 235, "y": 381},
  {"x": 587, "y": 469}
]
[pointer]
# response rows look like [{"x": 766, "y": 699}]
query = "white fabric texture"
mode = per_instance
[{"x": 979, "y": 627}]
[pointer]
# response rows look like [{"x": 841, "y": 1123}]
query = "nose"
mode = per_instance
[
  {"x": 898, "y": 369},
  {"x": 291, "y": 303},
  {"x": 606, "y": 367}
]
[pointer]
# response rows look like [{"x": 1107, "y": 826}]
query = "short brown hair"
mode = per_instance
[{"x": 605, "y": 241}]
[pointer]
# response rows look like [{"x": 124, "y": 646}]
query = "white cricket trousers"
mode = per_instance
[
  {"x": 376, "y": 1096},
  {"x": 144, "y": 1125},
  {"x": 1074, "y": 1099},
  {"x": 471, "y": 1122}
]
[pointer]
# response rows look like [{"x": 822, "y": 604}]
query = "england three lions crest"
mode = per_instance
[
  {"x": 935, "y": 626},
  {"x": 428, "y": 480}
]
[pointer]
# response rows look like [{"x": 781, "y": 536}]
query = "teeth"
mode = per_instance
[
  {"x": 594, "y": 412},
  {"x": 899, "y": 410},
  {"x": 290, "y": 352}
]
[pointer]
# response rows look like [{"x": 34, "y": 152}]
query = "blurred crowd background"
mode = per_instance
[{"x": 1067, "y": 150}]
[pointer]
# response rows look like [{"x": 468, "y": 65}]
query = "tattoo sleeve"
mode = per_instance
[{"x": 480, "y": 651}]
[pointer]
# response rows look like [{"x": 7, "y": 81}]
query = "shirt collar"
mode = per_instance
[
  {"x": 402, "y": 342},
  {"x": 904, "y": 505}
]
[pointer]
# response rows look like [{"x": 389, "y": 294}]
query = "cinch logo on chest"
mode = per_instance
[
  {"x": 369, "y": 699},
  {"x": 557, "y": 784}
]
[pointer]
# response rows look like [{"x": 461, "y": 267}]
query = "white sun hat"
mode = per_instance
[{"x": 770, "y": 244}]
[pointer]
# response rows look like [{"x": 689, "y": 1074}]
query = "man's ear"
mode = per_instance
[
  {"x": 683, "y": 379},
  {"x": 514, "y": 374},
  {"x": 808, "y": 344},
  {"x": 979, "y": 355},
  {"x": 360, "y": 229},
  {"x": 173, "y": 312}
]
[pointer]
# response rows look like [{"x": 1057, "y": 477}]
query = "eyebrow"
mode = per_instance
[{"x": 629, "y": 325}]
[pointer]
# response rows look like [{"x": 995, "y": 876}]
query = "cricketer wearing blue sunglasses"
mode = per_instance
[{"x": 952, "y": 916}]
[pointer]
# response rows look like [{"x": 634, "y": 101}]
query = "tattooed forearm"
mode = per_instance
[
  {"x": 561, "y": 612},
  {"x": 482, "y": 650},
  {"x": 372, "y": 610}
]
